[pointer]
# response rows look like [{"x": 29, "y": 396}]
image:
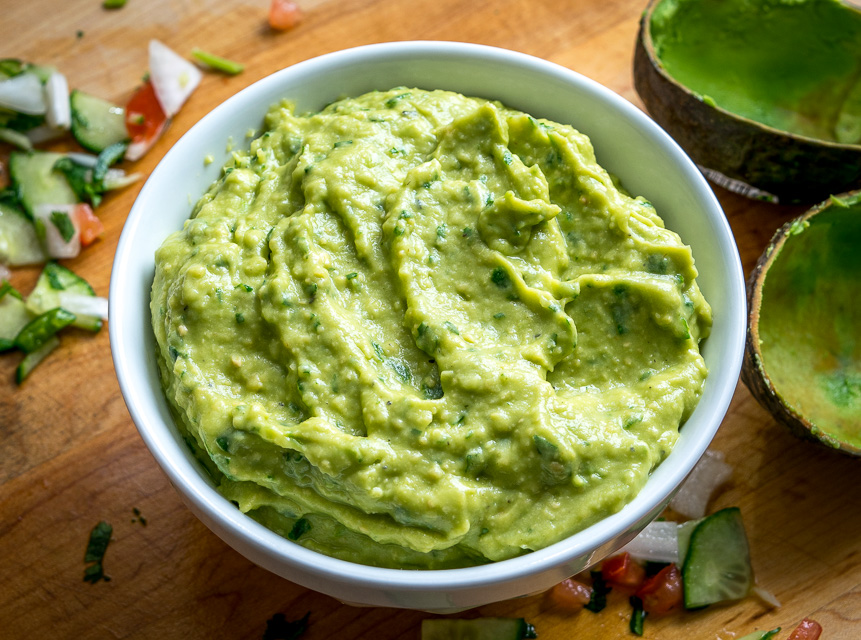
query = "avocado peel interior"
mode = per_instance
[
  {"x": 767, "y": 93},
  {"x": 803, "y": 355}
]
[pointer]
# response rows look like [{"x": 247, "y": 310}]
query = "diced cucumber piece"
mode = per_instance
[
  {"x": 14, "y": 316},
  {"x": 36, "y": 181},
  {"x": 11, "y": 67},
  {"x": 476, "y": 629},
  {"x": 717, "y": 566},
  {"x": 685, "y": 530},
  {"x": 46, "y": 294},
  {"x": 19, "y": 244},
  {"x": 41, "y": 71},
  {"x": 32, "y": 359},
  {"x": 16, "y": 138},
  {"x": 41, "y": 328},
  {"x": 96, "y": 123}
]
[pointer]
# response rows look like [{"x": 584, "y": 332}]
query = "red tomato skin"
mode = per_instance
[
  {"x": 807, "y": 629},
  {"x": 284, "y": 15},
  {"x": 571, "y": 595},
  {"x": 89, "y": 225},
  {"x": 623, "y": 571},
  {"x": 144, "y": 116},
  {"x": 662, "y": 592}
]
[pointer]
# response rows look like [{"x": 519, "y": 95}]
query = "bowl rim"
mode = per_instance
[{"x": 191, "y": 484}]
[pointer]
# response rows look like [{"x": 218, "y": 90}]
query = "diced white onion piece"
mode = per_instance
[
  {"x": 44, "y": 133},
  {"x": 696, "y": 491},
  {"x": 83, "y": 159},
  {"x": 137, "y": 150},
  {"x": 173, "y": 77},
  {"x": 117, "y": 179},
  {"x": 16, "y": 138},
  {"x": 84, "y": 305},
  {"x": 59, "y": 111},
  {"x": 658, "y": 542},
  {"x": 23, "y": 93},
  {"x": 55, "y": 245},
  {"x": 766, "y": 596},
  {"x": 5, "y": 273}
]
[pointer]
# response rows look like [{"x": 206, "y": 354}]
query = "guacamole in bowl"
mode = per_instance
[
  {"x": 626, "y": 143},
  {"x": 423, "y": 330}
]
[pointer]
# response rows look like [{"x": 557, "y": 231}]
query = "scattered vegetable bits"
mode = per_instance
[
  {"x": 278, "y": 627},
  {"x": 217, "y": 63},
  {"x": 806, "y": 630},
  {"x": 100, "y": 536},
  {"x": 571, "y": 595},
  {"x": 284, "y": 15}
]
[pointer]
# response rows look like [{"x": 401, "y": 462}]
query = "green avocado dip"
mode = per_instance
[
  {"x": 794, "y": 65},
  {"x": 422, "y": 330}
]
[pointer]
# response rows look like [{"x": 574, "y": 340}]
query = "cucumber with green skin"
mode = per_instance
[
  {"x": 14, "y": 316},
  {"x": 19, "y": 244},
  {"x": 717, "y": 564},
  {"x": 55, "y": 279},
  {"x": 36, "y": 182},
  {"x": 477, "y": 629},
  {"x": 96, "y": 123},
  {"x": 35, "y": 357},
  {"x": 42, "y": 328}
]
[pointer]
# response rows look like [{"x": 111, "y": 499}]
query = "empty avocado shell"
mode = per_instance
[
  {"x": 764, "y": 92},
  {"x": 803, "y": 354}
]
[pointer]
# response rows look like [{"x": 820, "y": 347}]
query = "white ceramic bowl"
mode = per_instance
[{"x": 627, "y": 143}]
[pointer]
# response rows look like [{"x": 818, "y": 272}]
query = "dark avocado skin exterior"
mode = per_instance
[
  {"x": 795, "y": 169},
  {"x": 753, "y": 374}
]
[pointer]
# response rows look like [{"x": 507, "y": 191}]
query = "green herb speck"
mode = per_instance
[
  {"x": 299, "y": 529},
  {"x": 100, "y": 536}
]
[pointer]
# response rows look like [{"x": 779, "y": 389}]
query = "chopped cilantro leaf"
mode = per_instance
[
  {"x": 638, "y": 616},
  {"x": 63, "y": 223},
  {"x": 278, "y": 627},
  {"x": 100, "y": 536},
  {"x": 500, "y": 278},
  {"x": 599, "y": 593},
  {"x": 299, "y": 529}
]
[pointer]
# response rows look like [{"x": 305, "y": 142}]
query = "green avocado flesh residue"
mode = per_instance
[
  {"x": 794, "y": 65},
  {"x": 459, "y": 341},
  {"x": 810, "y": 322}
]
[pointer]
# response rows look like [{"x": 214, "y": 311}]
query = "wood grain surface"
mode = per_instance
[{"x": 70, "y": 455}]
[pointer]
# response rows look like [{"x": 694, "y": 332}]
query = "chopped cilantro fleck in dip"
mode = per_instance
[
  {"x": 299, "y": 529},
  {"x": 100, "y": 536}
]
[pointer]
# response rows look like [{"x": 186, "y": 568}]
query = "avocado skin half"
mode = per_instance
[
  {"x": 796, "y": 169},
  {"x": 753, "y": 373}
]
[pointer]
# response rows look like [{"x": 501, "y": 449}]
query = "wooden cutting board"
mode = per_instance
[{"x": 70, "y": 455}]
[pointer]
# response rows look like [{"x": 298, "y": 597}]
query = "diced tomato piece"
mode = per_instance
[
  {"x": 145, "y": 118},
  {"x": 807, "y": 630},
  {"x": 284, "y": 14},
  {"x": 623, "y": 571},
  {"x": 88, "y": 224},
  {"x": 571, "y": 595},
  {"x": 663, "y": 591}
]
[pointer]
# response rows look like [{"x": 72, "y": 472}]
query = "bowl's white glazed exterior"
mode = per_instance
[{"x": 627, "y": 143}]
